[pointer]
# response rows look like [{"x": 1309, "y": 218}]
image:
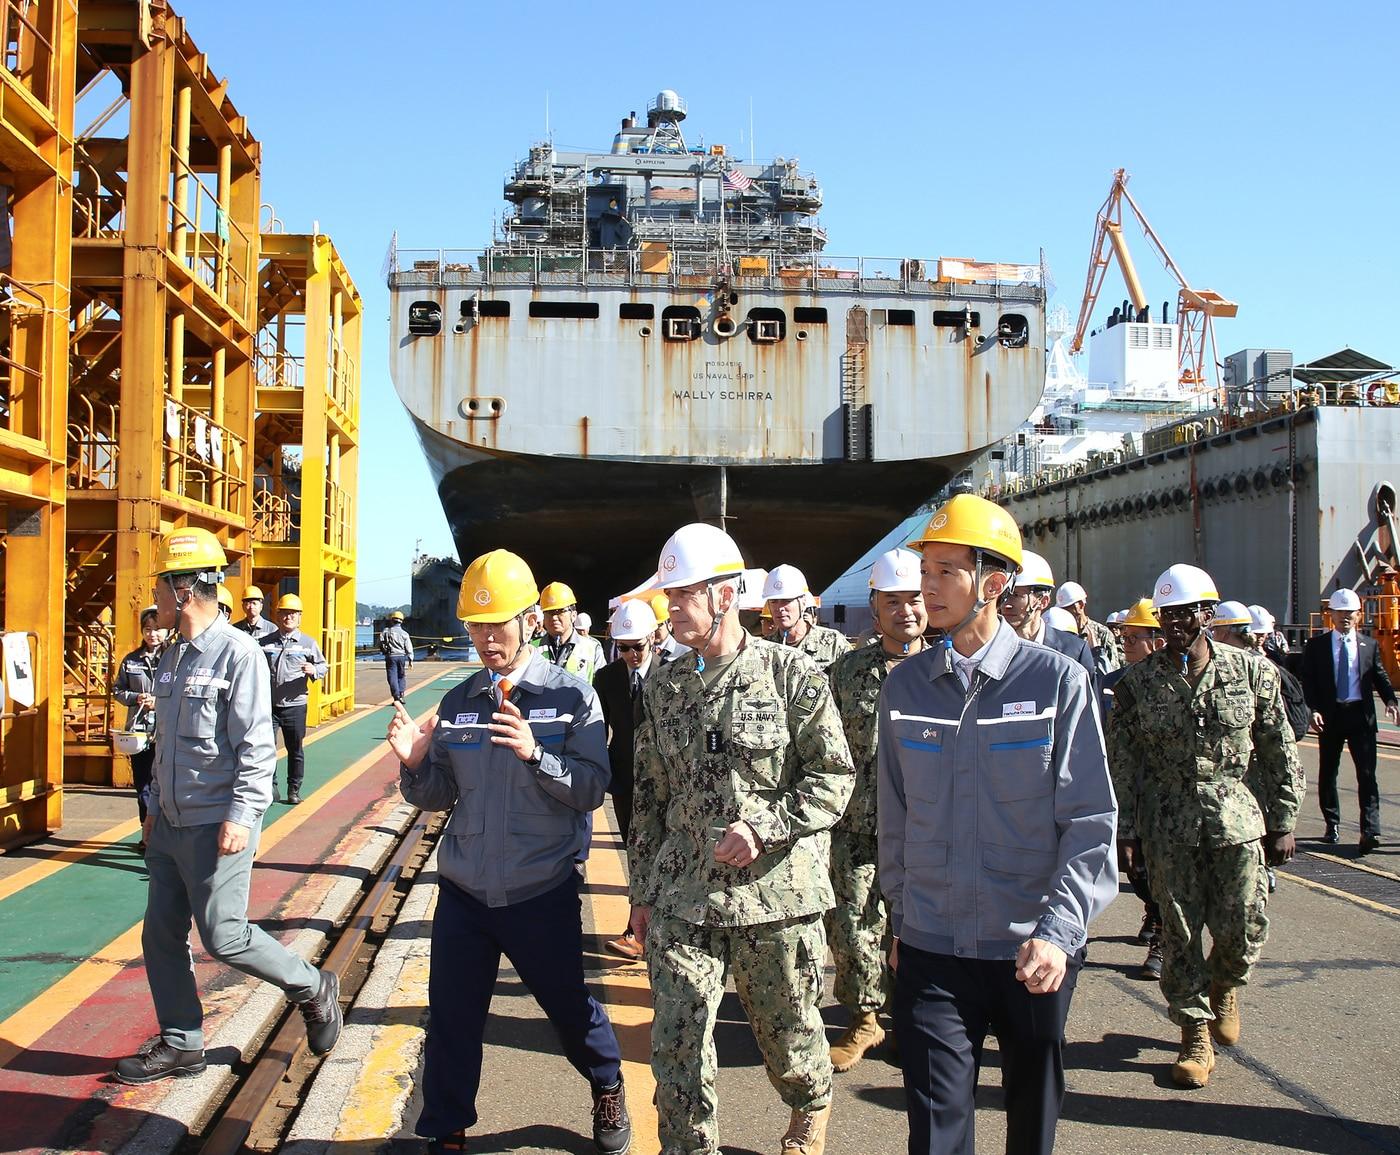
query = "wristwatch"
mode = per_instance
[{"x": 536, "y": 755}]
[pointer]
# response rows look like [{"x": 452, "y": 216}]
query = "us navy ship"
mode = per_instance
[{"x": 657, "y": 334}]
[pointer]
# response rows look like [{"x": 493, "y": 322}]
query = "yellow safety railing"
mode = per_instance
[
  {"x": 278, "y": 370},
  {"x": 340, "y": 530},
  {"x": 204, "y": 238},
  {"x": 339, "y": 648},
  {"x": 204, "y": 461},
  {"x": 88, "y": 665},
  {"x": 273, "y": 520},
  {"x": 341, "y": 377},
  {"x": 93, "y": 452},
  {"x": 28, "y": 53}
]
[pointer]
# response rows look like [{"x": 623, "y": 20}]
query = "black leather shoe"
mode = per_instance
[
  {"x": 612, "y": 1125},
  {"x": 1331, "y": 835},
  {"x": 293, "y": 797},
  {"x": 323, "y": 1015},
  {"x": 158, "y": 1060},
  {"x": 1368, "y": 843},
  {"x": 1152, "y": 964}
]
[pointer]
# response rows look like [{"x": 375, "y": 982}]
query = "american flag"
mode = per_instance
[{"x": 737, "y": 180}]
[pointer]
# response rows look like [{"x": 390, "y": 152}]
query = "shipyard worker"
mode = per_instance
[
  {"x": 1141, "y": 638},
  {"x": 211, "y": 784},
  {"x": 996, "y": 841},
  {"x": 583, "y": 624},
  {"x": 857, "y": 927},
  {"x": 253, "y": 622},
  {"x": 1025, "y": 603},
  {"x": 1114, "y": 622},
  {"x": 751, "y": 603},
  {"x": 741, "y": 769},
  {"x": 225, "y": 602},
  {"x": 1231, "y": 626},
  {"x": 134, "y": 688},
  {"x": 619, "y": 686},
  {"x": 1341, "y": 675},
  {"x": 1072, "y": 598},
  {"x": 664, "y": 640},
  {"x": 295, "y": 661},
  {"x": 517, "y": 756},
  {"x": 397, "y": 648},
  {"x": 789, "y": 600},
  {"x": 563, "y": 644},
  {"x": 1185, "y": 723}
]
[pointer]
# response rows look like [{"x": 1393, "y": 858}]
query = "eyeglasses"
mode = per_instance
[
  {"x": 1178, "y": 613},
  {"x": 630, "y": 647}
]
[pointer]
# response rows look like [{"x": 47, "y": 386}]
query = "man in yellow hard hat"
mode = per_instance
[
  {"x": 397, "y": 648},
  {"x": 296, "y": 661},
  {"x": 253, "y": 622},
  {"x": 996, "y": 822},
  {"x": 741, "y": 769},
  {"x": 225, "y": 602},
  {"x": 517, "y": 754},
  {"x": 563, "y": 644},
  {"x": 211, "y": 784}
]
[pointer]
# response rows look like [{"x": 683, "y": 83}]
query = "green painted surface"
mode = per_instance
[{"x": 52, "y": 926}]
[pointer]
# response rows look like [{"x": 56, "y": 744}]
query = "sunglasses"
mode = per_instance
[{"x": 631, "y": 647}]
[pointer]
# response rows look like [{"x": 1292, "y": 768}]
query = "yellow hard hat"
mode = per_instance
[
  {"x": 225, "y": 597},
  {"x": 289, "y": 602},
  {"x": 396, "y": 616},
  {"x": 660, "y": 606},
  {"x": 766, "y": 612},
  {"x": 557, "y": 596},
  {"x": 1142, "y": 615},
  {"x": 496, "y": 587},
  {"x": 252, "y": 593},
  {"x": 192, "y": 550},
  {"x": 976, "y": 522}
]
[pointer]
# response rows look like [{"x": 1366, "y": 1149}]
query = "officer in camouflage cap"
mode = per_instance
[
  {"x": 792, "y": 607},
  {"x": 741, "y": 769},
  {"x": 858, "y": 927},
  {"x": 1185, "y": 724}
]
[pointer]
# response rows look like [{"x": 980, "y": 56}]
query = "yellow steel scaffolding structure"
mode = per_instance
[
  {"x": 36, "y": 163},
  {"x": 132, "y": 405}
]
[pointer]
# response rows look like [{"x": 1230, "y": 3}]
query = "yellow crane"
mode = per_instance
[{"x": 1196, "y": 309}]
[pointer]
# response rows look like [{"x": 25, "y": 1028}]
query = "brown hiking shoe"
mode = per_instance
[
  {"x": 1225, "y": 1002},
  {"x": 806, "y": 1133},
  {"x": 626, "y": 945},
  {"x": 863, "y": 1034},
  {"x": 1197, "y": 1059}
]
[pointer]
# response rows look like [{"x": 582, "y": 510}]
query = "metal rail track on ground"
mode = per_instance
[{"x": 254, "y": 1118}]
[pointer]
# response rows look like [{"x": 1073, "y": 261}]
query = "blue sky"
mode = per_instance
[{"x": 1259, "y": 137}]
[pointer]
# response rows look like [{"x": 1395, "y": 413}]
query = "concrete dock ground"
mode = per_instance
[{"x": 1315, "y": 1069}]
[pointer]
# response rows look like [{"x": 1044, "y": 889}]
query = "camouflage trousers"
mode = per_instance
[
  {"x": 777, "y": 970},
  {"x": 857, "y": 929},
  {"x": 1215, "y": 888}
]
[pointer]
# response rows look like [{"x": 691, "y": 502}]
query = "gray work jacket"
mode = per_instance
[
  {"x": 996, "y": 811},
  {"x": 285, "y": 654},
  {"x": 257, "y": 631},
  {"x": 515, "y": 828},
  {"x": 136, "y": 676},
  {"x": 394, "y": 642},
  {"x": 214, "y": 751}
]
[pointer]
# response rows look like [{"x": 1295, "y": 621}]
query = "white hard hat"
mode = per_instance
[
  {"x": 895, "y": 572},
  {"x": 1035, "y": 572},
  {"x": 1058, "y": 619},
  {"x": 698, "y": 553},
  {"x": 584, "y": 622},
  {"x": 1070, "y": 593},
  {"x": 1343, "y": 601},
  {"x": 751, "y": 596},
  {"x": 1183, "y": 585},
  {"x": 784, "y": 583},
  {"x": 633, "y": 621},
  {"x": 1260, "y": 620},
  {"x": 1231, "y": 614},
  {"x": 1115, "y": 617}
]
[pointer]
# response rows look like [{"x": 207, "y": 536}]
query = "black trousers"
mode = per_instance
[
  {"x": 1347, "y": 725},
  {"x": 141, "y": 766},
  {"x": 291, "y": 720},
  {"x": 622, "y": 803},
  {"x": 944, "y": 1009}
]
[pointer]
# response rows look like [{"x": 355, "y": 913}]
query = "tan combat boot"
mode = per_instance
[
  {"x": 806, "y": 1133},
  {"x": 863, "y": 1034},
  {"x": 1197, "y": 1059},
  {"x": 1225, "y": 1002}
]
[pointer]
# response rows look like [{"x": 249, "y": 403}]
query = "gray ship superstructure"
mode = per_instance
[{"x": 658, "y": 335}]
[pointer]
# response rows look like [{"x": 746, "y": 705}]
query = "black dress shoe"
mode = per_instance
[
  {"x": 294, "y": 797},
  {"x": 1331, "y": 836},
  {"x": 1368, "y": 843},
  {"x": 323, "y": 1015},
  {"x": 158, "y": 1060}
]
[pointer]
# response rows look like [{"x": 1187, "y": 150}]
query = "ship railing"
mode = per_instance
[
  {"x": 204, "y": 460},
  {"x": 680, "y": 266},
  {"x": 273, "y": 519},
  {"x": 93, "y": 451}
]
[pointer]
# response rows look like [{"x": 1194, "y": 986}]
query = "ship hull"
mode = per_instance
[{"x": 599, "y": 525}]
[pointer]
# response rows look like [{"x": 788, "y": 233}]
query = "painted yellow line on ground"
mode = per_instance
[
  {"x": 1367, "y": 867},
  {"x": 55, "y": 862},
  {"x": 1355, "y": 899},
  {"x": 1310, "y": 743},
  {"x": 373, "y": 1109},
  {"x": 39, "y": 1016},
  {"x": 626, "y": 990}
]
